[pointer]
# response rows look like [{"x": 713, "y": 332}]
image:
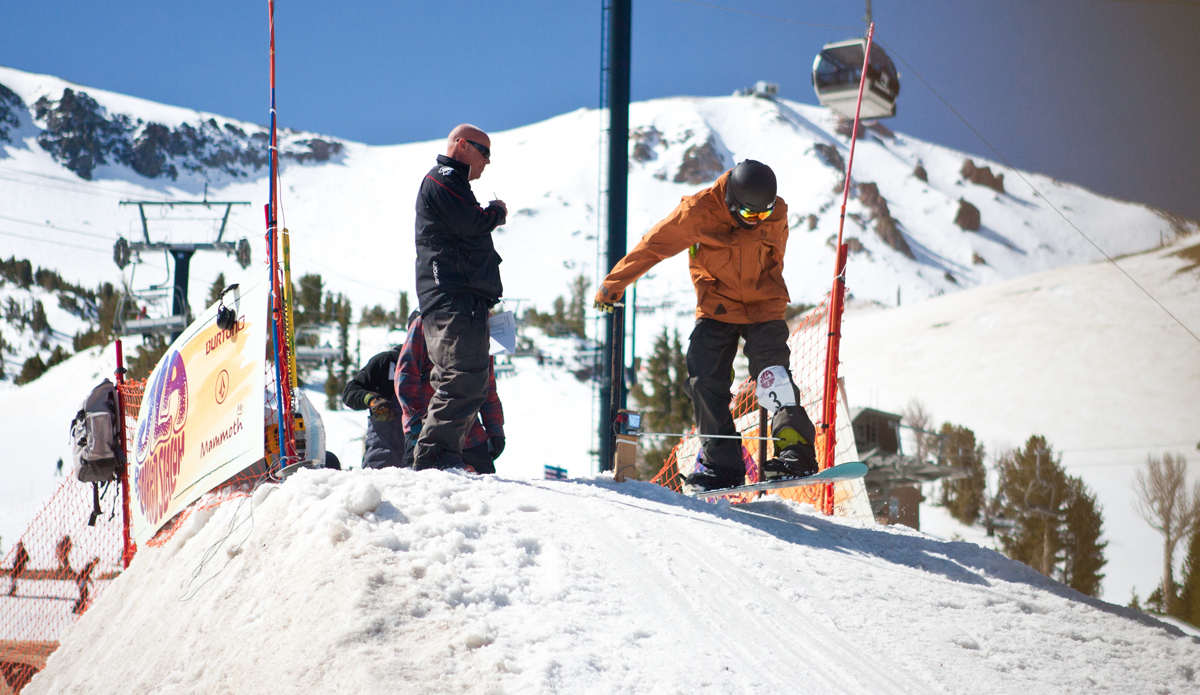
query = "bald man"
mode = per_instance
[{"x": 458, "y": 281}]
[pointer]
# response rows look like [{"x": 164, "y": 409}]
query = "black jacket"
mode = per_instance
[
  {"x": 454, "y": 238},
  {"x": 385, "y": 440}
]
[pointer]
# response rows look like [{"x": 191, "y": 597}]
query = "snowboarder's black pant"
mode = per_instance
[
  {"x": 456, "y": 340},
  {"x": 710, "y": 354}
]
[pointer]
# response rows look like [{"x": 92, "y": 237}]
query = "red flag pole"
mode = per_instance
[
  {"x": 128, "y": 548},
  {"x": 837, "y": 296}
]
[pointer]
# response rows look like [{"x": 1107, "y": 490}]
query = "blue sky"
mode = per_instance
[{"x": 1097, "y": 92}]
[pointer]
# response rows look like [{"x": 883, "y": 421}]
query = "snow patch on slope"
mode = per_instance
[{"x": 379, "y": 581}]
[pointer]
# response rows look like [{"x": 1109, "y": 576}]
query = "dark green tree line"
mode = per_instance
[{"x": 664, "y": 404}]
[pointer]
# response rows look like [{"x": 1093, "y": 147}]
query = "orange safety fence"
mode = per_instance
[
  {"x": 58, "y": 568},
  {"x": 807, "y": 344},
  {"x": 61, "y": 565}
]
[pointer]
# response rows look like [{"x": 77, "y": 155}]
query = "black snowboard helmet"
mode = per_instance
[{"x": 752, "y": 186}]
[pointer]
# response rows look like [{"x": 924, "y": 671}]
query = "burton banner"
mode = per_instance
[{"x": 201, "y": 420}]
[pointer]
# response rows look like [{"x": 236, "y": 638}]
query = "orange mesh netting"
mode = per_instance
[
  {"x": 807, "y": 344},
  {"x": 58, "y": 568},
  {"x": 61, "y": 564}
]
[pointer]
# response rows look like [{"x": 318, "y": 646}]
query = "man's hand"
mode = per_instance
[
  {"x": 381, "y": 410},
  {"x": 500, "y": 204},
  {"x": 497, "y": 446}
]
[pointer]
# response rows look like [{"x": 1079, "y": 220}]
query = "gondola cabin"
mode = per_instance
[{"x": 836, "y": 74}]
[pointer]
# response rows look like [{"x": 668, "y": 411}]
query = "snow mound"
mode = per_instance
[{"x": 397, "y": 581}]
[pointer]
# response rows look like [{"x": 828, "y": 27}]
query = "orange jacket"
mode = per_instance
[{"x": 738, "y": 273}]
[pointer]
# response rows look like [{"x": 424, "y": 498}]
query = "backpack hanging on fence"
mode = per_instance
[
  {"x": 97, "y": 454},
  {"x": 95, "y": 451}
]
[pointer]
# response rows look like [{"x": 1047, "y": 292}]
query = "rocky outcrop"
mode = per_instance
[
  {"x": 644, "y": 141},
  {"x": 968, "y": 216},
  {"x": 845, "y": 126},
  {"x": 829, "y": 156},
  {"x": 881, "y": 129},
  {"x": 82, "y": 135},
  {"x": 10, "y": 110},
  {"x": 318, "y": 150},
  {"x": 853, "y": 245},
  {"x": 982, "y": 176},
  {"x": 920, "y": 173},
  {"x": 701, "y": 163},
  {"x": 885, "y": 225}
]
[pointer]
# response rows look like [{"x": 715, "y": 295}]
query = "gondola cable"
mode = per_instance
[{"x": 983, "y": 140}]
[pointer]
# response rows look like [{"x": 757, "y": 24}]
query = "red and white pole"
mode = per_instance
[{"x": 837, "y": 296}]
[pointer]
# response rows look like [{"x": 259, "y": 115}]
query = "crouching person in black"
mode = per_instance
[
  {"x": 458, "y": 281},
  {"x": 372, "y": 389},
  {"x": 484, "y": 441}
]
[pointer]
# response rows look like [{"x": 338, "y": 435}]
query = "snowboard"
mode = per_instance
[{"x": 844, "y": 471}]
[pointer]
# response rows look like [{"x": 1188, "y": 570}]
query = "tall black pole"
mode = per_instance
[
  {"x": 179, "y": 306},
  {"x": 619, "y": 20}
]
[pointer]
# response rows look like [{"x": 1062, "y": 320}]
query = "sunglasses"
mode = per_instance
[
  {"x": 483, "y": 149},
  {"x": 749, "y": 215}
]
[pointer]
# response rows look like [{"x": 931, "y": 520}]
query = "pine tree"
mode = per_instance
[
  {"x": 665, "y": 405},
  {"x": 215, "y": 290},
  {"x": 576, "y": 320},
  {"x": 1058, "y": 522},
  {"x": 308, "y": 299},
  {"x": 1188, "y": 602},
  {"x": 1084, "y": 552},
  {"x": 964, "y": 497},
  {"x": 1032, "y": 489},
  {"x": 336, "y": 380},
  {"x": 38, "y": 321},
  {"x": 33, "y": 368},
  {"x": 147, "y": 356}
]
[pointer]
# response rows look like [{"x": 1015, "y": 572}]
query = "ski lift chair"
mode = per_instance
[
  {"x": 128, "y": 320},
  {"x": 836, "y": 74}
]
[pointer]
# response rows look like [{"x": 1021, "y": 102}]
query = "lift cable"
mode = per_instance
[{"x": 985, "y": 142}]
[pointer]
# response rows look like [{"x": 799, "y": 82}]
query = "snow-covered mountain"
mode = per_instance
[
  {"x": 69, "y": 154},
  {"x": 66, "y": 162}
]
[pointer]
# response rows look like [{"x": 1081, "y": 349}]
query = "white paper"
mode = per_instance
[{"x": 503, "y": 329}]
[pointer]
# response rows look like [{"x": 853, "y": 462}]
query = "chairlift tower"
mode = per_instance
[{"x": 124, "y": 250}]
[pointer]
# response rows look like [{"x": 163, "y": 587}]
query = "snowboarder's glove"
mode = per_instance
[
  {"x": 497, "y": 446},
  {"x": 381, "y": 410},
  {"x": 606, "y": 307}
]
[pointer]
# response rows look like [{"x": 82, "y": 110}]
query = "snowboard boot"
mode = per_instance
[
  {"x": 703, "y": 481},
  {"x": 445, "y": 460},
  {"x": 796, "y": 461}
]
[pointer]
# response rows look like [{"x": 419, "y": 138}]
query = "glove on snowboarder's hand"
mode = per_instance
[
  {"x": 497, "y": 446},
  {"x": 380, "y": 409},
  {"x": 607, "y": 307}
]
